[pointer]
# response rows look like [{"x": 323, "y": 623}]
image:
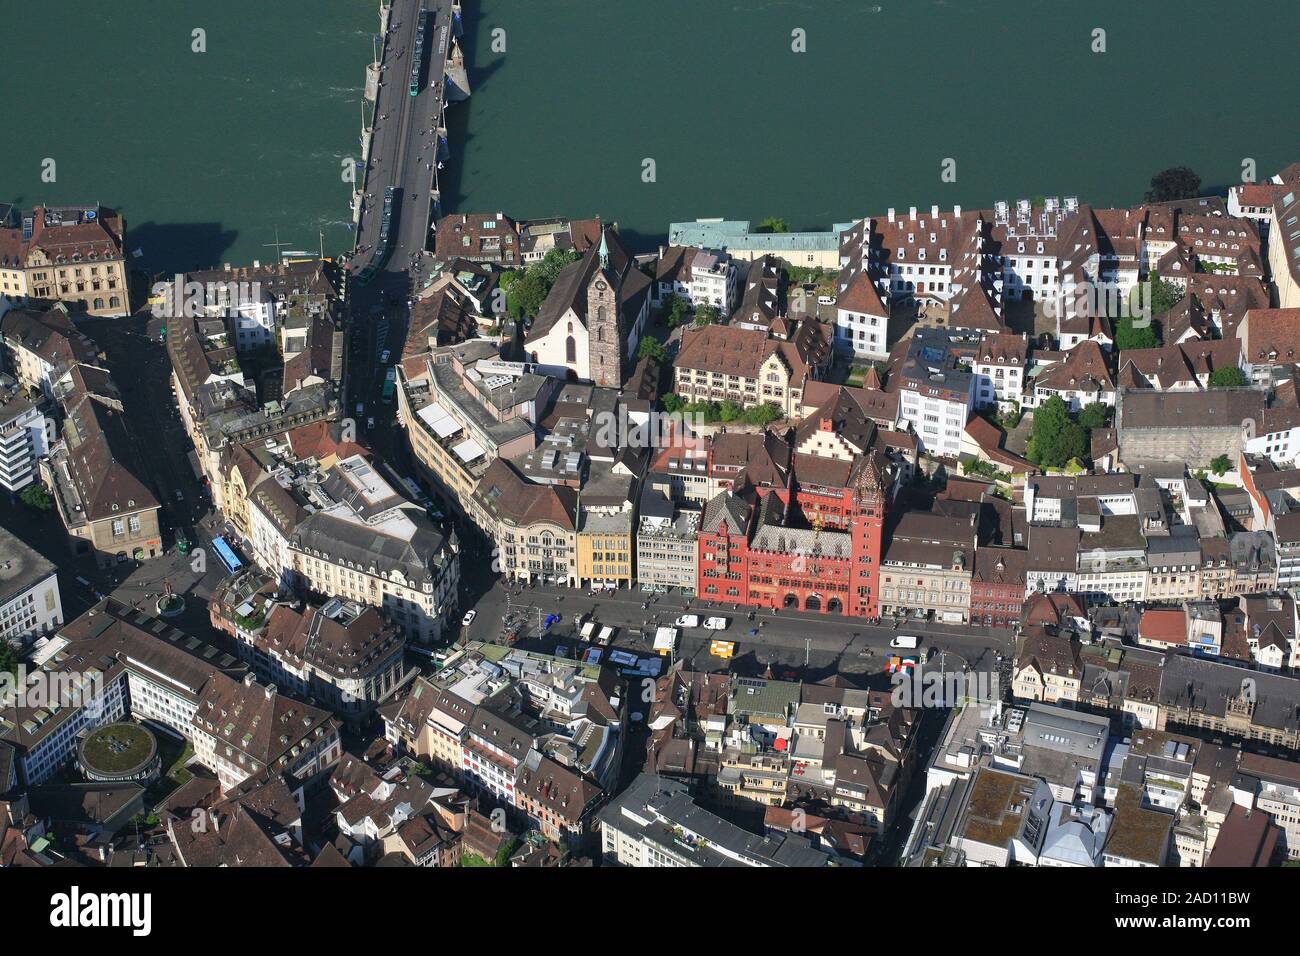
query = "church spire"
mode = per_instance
[{"x": 604, "y": 250}]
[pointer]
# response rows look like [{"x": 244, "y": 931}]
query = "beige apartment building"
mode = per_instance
[
  {"x": 1048, "y": 669},
  {"x": 70, "y": 253},
  {"x": 927, "y": 567},
  {"x": 1284, "y": 248},
  {"x": 534, "y": 526},
  {"x": 41, "y": 345},
  {"x": 460, "y": 419},
  {"x": 108, "y": 511},
  {"x": 728, "y": 363}
]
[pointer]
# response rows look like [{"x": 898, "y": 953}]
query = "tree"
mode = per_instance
[
  {"x": 527, "y": 293},
  {"x": 729, "y": 411},
  {"x": 652, "y": 348},
  {"x": 1220, "y": 465},
  {"x": 763, "y": 414},
  {"x": 1177, "y": 182},
  {"x": 673, "y": 402},
  {"x": 548, "y": 270},
  {"x": 1127, "y": 336},
  {"x": 705, "y": 315},
  {"x": 676, "y": 310},
  {"x": 1094, "y": 416},
  {"x": 1055, "y": 438},
  {"x": 8, "y": 658},
  {"x": 773, "y": 224},
  {"x": 36, "y": 497},
  {"x": 1227, "y": 377},
  {"x": 1164, "y": 295}
]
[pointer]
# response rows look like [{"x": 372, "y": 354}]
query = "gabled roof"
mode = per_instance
[
  {"x": 508, "y": 494},
  {"x": 862, "y": 296}
]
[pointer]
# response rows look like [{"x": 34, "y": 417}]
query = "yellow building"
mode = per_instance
[
  {"x": 1284, "y": 248},
  {"x": 605, "y": 549}
]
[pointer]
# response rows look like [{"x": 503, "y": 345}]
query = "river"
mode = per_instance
[{"x": 211, "y": 155}]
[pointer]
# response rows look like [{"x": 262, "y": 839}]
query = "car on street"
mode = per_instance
[
  {"x": 468, "y": 619},
  {"x": 716, "y": 623}
]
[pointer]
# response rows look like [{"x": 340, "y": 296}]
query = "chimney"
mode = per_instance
[
  {"x": 911, "y": 212},
  {"x": 270, "y": 691},
  {"x": 956, "y": 211},
  {"x": 891, "y": 213},
  {"x": 249, "y": 679},
  {"x": 934, "y": 212}
]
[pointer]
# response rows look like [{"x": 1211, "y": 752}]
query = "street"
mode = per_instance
[
  {"x": 797, "y": 644},
  {"x": 403, "y": 156}
]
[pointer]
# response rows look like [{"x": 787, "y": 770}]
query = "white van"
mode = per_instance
[
  {"x": 905, "y": 640},
  {"x": 717, "y": 623}
]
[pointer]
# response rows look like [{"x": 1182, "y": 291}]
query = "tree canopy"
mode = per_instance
[
  {"x": 1055, "y": 437},
  {"x": 1227, "y": 377},
  {"x": 677, "y": 310},
  {"x": 8, "y": 659},
  {"x": 36, "y": 497},
  {"x": 706, "y": 315},
  {"x": 1177, "y": 182},
  {"x": 652, "y": 348},
  {"x": 1127, "y": 336},
  {"x": 1094, "y": 416},
  {"x": 527, "y": 290},
  {"x": 773, "y": 224},
  {"x": 1164, "y": 295}
]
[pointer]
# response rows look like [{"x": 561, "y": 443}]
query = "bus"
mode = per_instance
[
  {"x": 226, "y": 556},
  {"x": 390, "y": 381}
]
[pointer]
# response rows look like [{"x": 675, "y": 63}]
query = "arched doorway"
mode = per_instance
[
  {"x": 790, "y": 601},
  {"x": 834, "y": 606},
  {"x": 812, "y": 603}
]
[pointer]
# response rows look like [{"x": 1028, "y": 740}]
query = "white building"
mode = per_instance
[
  {"x": 861, "y": 318},
  {"x": 713, "y": 281},
  {"x": 24, "y": 437},
  {"x": 1000, "y": 369},
  {"x": 655, "y": 822},
  {"x": 29, "y": 593},
  {"x": 937, "y": 389}
]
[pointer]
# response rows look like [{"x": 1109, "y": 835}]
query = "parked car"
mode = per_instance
[{"x": 468, "y": 619}]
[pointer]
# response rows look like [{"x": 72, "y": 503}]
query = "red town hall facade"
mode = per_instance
[{"x": 814, "y": 545}]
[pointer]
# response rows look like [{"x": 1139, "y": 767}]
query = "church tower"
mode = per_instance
[{"x": 605, "y": 343}]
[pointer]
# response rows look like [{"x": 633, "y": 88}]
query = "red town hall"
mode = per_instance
[{"x": 814, "y": 544}]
